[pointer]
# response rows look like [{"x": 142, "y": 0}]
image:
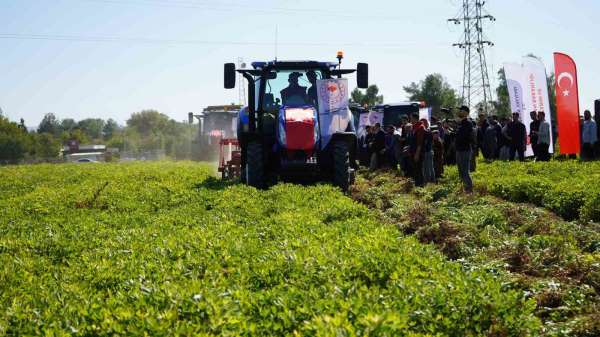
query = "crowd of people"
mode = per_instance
[{"x": 421, "y": 149}]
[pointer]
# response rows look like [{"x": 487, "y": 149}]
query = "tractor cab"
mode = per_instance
[{"x": 284, "y": 133}]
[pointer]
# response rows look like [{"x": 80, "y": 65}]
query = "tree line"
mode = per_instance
[{"x": 147, "y": 130}]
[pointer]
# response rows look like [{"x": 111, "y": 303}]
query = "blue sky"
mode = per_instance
[{"x": 178, "y": 68}]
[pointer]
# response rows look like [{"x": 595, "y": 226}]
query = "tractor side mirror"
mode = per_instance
[
  {"x": 229, "y": 75},
  {"x": 362, "y": 75}
]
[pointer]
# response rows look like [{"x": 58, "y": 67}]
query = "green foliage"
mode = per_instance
[
  {"x": 109, "y": 129},
  {"x": 14, "y": 141},
  {"x": 46, "y": 146},
  {"x": 435, "y": 92},
  {"x": 370, "y": 97},
  {"x": 553, "y": 261},
  {"x": 92, "y": 127},
  {"x": 50, "y": 125},
  {"x": 164, "y": 249},
  {"x": 502, "y": 104},
  {"x": 568, "y": 188}
]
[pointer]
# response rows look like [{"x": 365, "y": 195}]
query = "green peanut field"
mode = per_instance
[{"x": 165, "y": 249}]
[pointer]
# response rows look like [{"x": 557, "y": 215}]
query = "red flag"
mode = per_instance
[{"x": 567, "y": 103}]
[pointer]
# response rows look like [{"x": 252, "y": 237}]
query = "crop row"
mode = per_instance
[
  {"x": 164, "y": 249},
  {"x": 551, "y": 260},
  {"x": 571, "y": 189}
]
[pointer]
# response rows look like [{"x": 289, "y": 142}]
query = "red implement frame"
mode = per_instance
[{"x": 230, "y": 158}]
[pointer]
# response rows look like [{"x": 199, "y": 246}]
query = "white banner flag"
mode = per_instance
[
  {"x": 536, "y": 97},
  {"x": 528, "y": 91},
  {"x": 334, "y": 114}
]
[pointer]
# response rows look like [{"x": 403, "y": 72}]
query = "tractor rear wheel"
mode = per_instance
[
  {"x": 255, "y": 170},
  {"x": 341, "y": 165}
]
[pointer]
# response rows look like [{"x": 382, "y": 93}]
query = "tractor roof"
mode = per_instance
[{"x": 294, "y": 64}]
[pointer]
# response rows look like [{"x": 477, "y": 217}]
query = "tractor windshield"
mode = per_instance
[{"x": 291, "y": 88}]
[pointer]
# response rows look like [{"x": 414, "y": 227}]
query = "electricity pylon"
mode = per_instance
[{"x": 476, "y": 91}]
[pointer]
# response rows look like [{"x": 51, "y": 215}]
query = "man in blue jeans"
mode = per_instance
[{"x": 464, "y": 146}]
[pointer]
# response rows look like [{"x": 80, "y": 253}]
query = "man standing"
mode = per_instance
[
  {"x": 416, "y": 149},
  {"x": 589, "y": 136},
  {"x": 464, "y": 147},
  {"x": 543, "y": 137},
  {"x": 534, "y": 126},
  {"x": 428, "y": 168},
  {"x": 490, "y": 140},
  {"x": 517, "y": 137},
  {"x": 438, "y": 154},
  {"x": 376, "y": 147}
]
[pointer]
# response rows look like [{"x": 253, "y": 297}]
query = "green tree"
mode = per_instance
[
  {"x": 552, "y": 95},
  {"x": 75, "y": 134},
  {"x": 50, "y": 124},
  {"x": 148, "y": 122},
  {"x": 502, "y": 104},
  {"x": 109, "y": 129},
  {"x": 370, "y": 97},
  {"x": 435, "y": 92},
  {"x": 14, "y": 141},
  {"x": 46, "y": 146},
  {"x": 68, "y": 124},
  {"x": 92, "y": 127}
]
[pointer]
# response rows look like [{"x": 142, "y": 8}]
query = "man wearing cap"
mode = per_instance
[
  {"x": 294, "y": 89},
  {"x": 464, "y": 147}
]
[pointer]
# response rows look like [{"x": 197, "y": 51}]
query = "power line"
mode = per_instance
[
  {"x": 142, "y": 40},
  {"x": 251, "y": 9}
]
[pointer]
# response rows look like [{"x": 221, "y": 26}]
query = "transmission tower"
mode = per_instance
[{"x": 476, "y": 91}]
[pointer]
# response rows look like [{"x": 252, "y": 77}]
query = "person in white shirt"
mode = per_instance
[
  {"x": 589, "y": 136},
  {"x": 543, "y": 140}
]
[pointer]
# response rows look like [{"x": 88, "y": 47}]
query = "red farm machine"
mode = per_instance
[{"x": 230, "y": 158}]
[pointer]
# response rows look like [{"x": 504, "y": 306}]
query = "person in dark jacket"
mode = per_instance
[
  {"x": 475, "y": 147},
  {"x": 416, "y": 142},
  {"x": 490, "y": 141},
  {"x": 438, "y": 154},
  {"x": 517, "y": 137},
  {"x": 464, "y": 148},
  {"x": 390, "y": 142},
  {"x": 377, "y": 147},
  {"x": 449, "y": 149},
  {"x": 534, "y": 127}
]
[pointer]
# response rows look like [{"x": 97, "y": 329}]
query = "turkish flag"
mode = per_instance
[{"x": 567, "y": 103}]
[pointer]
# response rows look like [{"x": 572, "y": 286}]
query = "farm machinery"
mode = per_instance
[
  {"x": 297, "y": 125},
  {"x": 230, "y": 158}
]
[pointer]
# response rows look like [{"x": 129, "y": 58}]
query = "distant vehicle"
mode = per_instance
[
  {"x": 85, "y": 160},
  {"x": 281, "y": 133},
  {"x": 393, "y": 113}
]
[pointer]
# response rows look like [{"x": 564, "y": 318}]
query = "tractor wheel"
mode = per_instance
[
  {"x": 255, "y": 165},
  {"x": 341, "y": 165}
]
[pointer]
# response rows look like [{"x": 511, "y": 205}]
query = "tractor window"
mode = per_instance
[{"x": 291, "y": 88}]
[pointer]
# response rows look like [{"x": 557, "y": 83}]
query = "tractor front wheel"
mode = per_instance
[
  {"x": 254, "y": 170},
  {"x": 341, "y": 165}
]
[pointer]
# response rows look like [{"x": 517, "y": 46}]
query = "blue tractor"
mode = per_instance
[{"x": 282, "y": 132}]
